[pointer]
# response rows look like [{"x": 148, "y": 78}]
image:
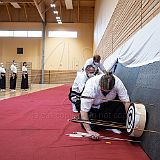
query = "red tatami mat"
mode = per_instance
[{"x": 33, "y": 127}]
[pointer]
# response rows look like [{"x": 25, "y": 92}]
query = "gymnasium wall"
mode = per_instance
[
  {"x": 102, "y": 14},
  {"x": 31, "y": 49},
  {"x": 142, "y": 82},
  {"x": 31, "y": 46},
  {"x": 60, "y": 53},
  {"x": 127, "y": 18},
  {"x": 69, "y": 53}
]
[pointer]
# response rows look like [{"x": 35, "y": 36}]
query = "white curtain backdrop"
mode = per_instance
[{"x": 141, "y": 49}]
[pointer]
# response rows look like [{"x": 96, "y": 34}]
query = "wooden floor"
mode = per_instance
[{"x": 33, "y": 88}]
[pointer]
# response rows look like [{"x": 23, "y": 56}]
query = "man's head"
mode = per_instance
[
  {"x": 2, "y": 65},
  {"x": 24, "y": 63},
  {"x": 13, "y": 62},
  {"x": 107, "y": 83},
  {"x": 96, "y": 59},
  {"x": 90, "y": 71}
]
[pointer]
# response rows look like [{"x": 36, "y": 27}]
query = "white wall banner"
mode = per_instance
[{"x": 141, "y": 49}]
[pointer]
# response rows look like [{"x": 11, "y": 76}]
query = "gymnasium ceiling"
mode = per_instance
[{"x": 70, "y": 11}]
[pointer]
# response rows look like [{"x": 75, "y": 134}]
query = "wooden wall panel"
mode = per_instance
[
  {"x": 107, "y": 46},
  {"x": 149, "y": 10},
  {"x": 54, "y": 76},
  {"x": 128, "y": 17},
  {"x": 86, "y": 15},
  {"x": 36, "y": 76}
]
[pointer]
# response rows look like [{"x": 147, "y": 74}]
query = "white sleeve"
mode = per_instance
[
  {"x": 81, "y": 84},
  {"x": 24, "y": 69},
  {"x": 2, "y": 70},
  {"x": 101, "y": 67},
  {"x": 88, "y": 62},
  {"x": 87, "y": 103},
  {"x": 11, "y": 67},
  {"x": 122, "y": 91}
]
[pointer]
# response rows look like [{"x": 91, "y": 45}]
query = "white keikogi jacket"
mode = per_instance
[
  {"x": 96, "y": 66},
  {"x": 24, "y": 69},
  {"x": 92, "y": 89},
  {"x": 2, "y": 70},
  {"x": 79, "y": 82},
  {"x": 13, "y": 68}
]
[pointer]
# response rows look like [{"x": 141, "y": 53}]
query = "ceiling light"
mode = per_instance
[
  {"x": 55, "y": 12},
  {"x": 62, "y": 34},
  {"x": 58, "y": 17},
  {"x": 53, "y": 5},
  {"x": 69, "y": 4},
  {"x": 15, "y": 4}
]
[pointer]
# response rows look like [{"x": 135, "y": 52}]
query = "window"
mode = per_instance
[
  {"x": 19, "y": 50},
  {"x": 62, "y": 34},
  {"x": 34, "y": 33},
  {"x": 20, "y": 33},
  {"x": 6, "y": 33}
]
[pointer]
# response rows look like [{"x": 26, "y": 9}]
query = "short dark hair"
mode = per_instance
[
  {"x": 89, "y": 66},
  {"x": 107, "y": 81},
  {"x": 24, "y": 63},
  {"x": 96, "y": 58}
]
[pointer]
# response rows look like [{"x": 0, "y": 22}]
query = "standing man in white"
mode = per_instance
[
  {"x": 13, "y": 77},
  {"x": 2, "y": 77},
  {"x": 96, "y": 62},
  {"x": 24, "y": 81}
]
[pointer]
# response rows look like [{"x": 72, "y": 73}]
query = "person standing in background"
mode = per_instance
[
  {"x": 2, "y": 78},
  {"x": 13, "y": 77},
  {"x": 24, "y": 82}
]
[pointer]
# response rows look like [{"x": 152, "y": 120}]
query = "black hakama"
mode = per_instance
[
  {"x": 13, "y": 79},
  {"x": 24, "y": 82}
]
